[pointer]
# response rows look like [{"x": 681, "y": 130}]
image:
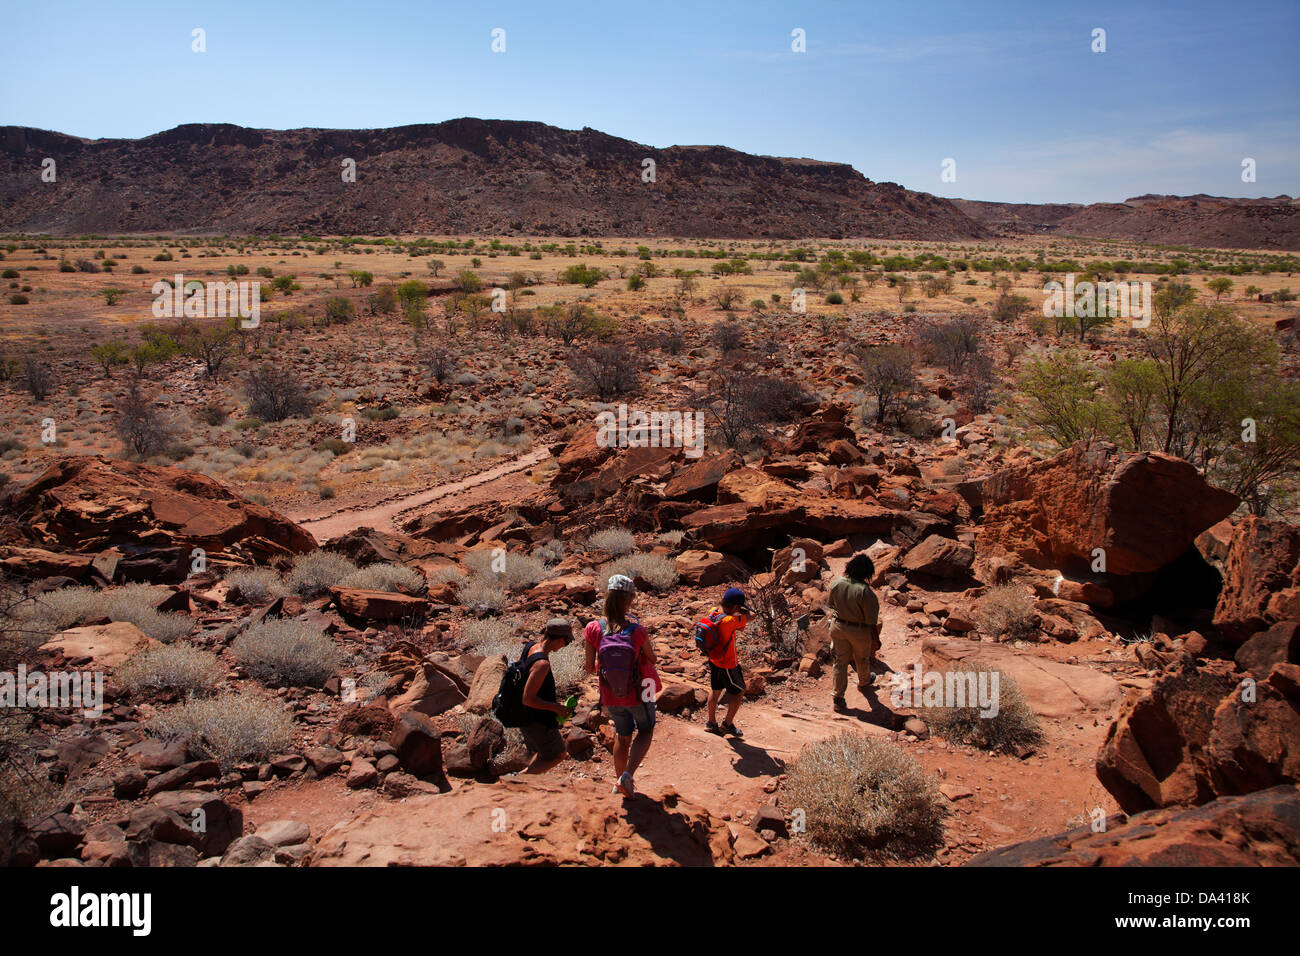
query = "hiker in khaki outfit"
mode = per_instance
[{"x": 855, "y": 627}]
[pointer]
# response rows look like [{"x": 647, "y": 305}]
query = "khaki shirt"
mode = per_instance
[{"x": 855, "y": 603}]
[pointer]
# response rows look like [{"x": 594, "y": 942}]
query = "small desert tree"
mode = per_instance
[
  {"x": 275, "y": 394},
  {"x": 211, "y": 343},
  {"x": 890, "y": 379},
  {"x": 1061, "y": 393},
  {"x": 140, "y": 424},
  {"x": 606, "y": 371},
  {"x": 1219, "y": 285},
  {"x": 109, "y": 355}
]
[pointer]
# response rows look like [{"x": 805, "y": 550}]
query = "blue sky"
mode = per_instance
[{"x": 1009, "y": 90}]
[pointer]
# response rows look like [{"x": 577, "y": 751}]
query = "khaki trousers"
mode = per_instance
[{"x": 856, "y": 644}]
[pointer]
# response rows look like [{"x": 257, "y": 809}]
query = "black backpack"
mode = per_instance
[{"x": 508, "y": 704}]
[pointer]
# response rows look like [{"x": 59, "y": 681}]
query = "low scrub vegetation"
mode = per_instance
[
  {"x": 179, "y": 667},
  {"x": 1013, "y": 728},
  {"x": 287, "y": 652},
  {"x": 864, "y": 796},
  {"x": 318, "y": 571},
  {"x": 228, "y": 728}
]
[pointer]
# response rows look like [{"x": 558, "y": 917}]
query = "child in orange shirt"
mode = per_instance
[{"x": 725, "y": 676}]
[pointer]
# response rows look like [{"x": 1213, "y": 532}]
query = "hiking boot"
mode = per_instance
[
  {"x": 731, "y": 729},
  {"x": 712, "y": 727},
  {"x": 625, "y": 785},
  {"x": 839, "y": 705}
]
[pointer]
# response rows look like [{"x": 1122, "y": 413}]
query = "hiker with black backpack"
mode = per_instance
[
  {"x": 526, "y": 698},
  {"x": 715, "y": 636},
  {"x": 619, "y": 650}
]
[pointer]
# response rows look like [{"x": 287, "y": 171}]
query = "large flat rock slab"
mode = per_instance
[
  {"x": 1053, "y": 689},
  {"x": 530, "y": 821}
]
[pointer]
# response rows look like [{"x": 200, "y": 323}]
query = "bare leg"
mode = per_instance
[
  {"x": 640, "y": 747},
  {"x": 733, "y": 706},
  {"x": 621, "y": 747},
  {"x": 714, "y": 697},
  {"x": 541, "y": 766}
]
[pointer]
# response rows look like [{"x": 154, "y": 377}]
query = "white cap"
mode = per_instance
[{"x": 621, "y": 582}]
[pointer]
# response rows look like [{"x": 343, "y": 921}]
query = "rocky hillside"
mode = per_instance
[
  {"x": 507, "y": 177},
  {"x": 464, "y": 175},
  {"x": 1206, "y": 221}
]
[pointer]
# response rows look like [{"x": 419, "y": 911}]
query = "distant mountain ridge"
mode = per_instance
[{"x": 526, "y": 178}]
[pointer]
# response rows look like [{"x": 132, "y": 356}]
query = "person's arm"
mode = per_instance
[
  {"x": 870, "y": 609},
  {"x": 648, "y": 649},
  {"x": 591, "y": 637},
  {"x": 534, "y": 684}
]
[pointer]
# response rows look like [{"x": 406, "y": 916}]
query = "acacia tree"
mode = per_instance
[
  {"x": 890, "y": 379},
  {"x": 211, "y": 343},
  {"x": 140, "y": 424}
]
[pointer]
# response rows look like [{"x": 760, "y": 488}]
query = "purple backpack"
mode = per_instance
[{"x": 618, "y": 660}]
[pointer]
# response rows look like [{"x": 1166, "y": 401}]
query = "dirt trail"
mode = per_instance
[
  {"x": 382, "y": 516},
  {"x": 996, "y": 799}
]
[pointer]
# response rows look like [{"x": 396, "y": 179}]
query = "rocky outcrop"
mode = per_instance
[
  {"x": 1259, "y": 829},
  {"x": 1143, "y": 511},
  {"x": 148, "y": 519},
  {"x": 1261, "y": 578},
  {"x": 551, "y": 822},
  {"x": 465, "y": 175},
  {"x": 1201, "y": 732}
]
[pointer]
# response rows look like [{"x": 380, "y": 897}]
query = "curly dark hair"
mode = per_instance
[{"x": 860, "y": 567}]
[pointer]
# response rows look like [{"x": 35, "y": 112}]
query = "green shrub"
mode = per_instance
[
  {"x": 287, "y": 651},
  {"x": 862, "y": 795}
]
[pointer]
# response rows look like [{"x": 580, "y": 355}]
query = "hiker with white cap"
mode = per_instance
[{"x": 619, "y": 650}]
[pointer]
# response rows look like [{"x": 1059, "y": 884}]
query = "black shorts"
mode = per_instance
[
  {"x": 732, "y": 680},
  {"x": 543, "y": 740}
]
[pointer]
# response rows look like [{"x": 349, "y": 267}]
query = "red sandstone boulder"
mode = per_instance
[
  {"x": 369, "y": 605},
  {"x": 1153, "y": 755},
  {"x": 1255, "y": 740},
  {"x": 1259, "y": 829},
  {"x": 706, "y": 568},
  {"x": 1261, "y": 578},
  {"x": 939, "y": 557},
  {"x": 1143, "y": 510},
  {"x": 153, "y": 515}
]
